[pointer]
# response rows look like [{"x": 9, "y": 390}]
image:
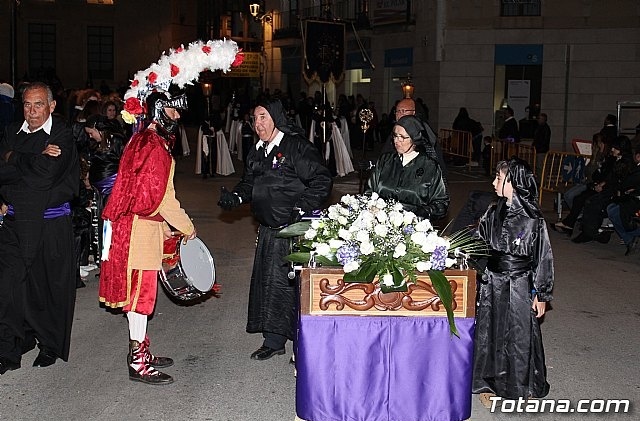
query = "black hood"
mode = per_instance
[{"x": 276, "y": 111}]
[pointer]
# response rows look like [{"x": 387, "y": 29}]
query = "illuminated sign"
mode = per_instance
[{"x": 250, "y": 67}]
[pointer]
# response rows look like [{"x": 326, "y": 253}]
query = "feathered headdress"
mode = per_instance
[{"x": 182, "y": 66}]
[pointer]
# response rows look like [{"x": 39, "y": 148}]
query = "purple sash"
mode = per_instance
[
  {"x": 106, "y": 184},
  {"x": 50, "y": 213}
]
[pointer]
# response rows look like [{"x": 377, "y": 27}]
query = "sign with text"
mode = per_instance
[
  {"x": 519, "y": 97},
  {"x": 250, "y": 67},
  {"x": 390, "y": 11}
]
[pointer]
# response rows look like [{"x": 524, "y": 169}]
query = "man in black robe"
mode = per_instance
[
  {"x": 283, "y": 177},
  {"x": 39, "y": 173}
]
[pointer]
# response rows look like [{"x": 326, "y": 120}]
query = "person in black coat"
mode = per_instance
[
  {"x": 541, "y": 142},
  {"x": 409, "y": 175},
  {"x": 609, "y": 129},
  {"x": 284, "y": 176},
  {"x": 509, "y": 129},
  {"x": 465, "y": 123},
  {"x": 39, "y": 173}
]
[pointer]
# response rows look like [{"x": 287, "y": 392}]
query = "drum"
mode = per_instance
[{"x": 188, "y": 271}]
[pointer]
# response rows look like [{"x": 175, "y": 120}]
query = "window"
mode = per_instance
[
  {"x": 100, "y": 52},
  {"x": 42, "y": 47},
  {"x": 520, "y": 8}
]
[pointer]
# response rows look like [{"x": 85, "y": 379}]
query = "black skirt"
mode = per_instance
[{"x": 273, "y": 297}]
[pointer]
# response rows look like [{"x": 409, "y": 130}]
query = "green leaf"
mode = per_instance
[
  {"x": 351, "y": 277},
  {"x": 294, "y": 230},
  {"x": 364, "y": 274},
  {"x": 443, "y": 289},
  {"x": 393, "y": 288},
  {"x": 325, "y": 261},
  {"x": 397, "y": 275},
  {"x": 369, "y": 273},
  {"x": 298, "y": 257}
]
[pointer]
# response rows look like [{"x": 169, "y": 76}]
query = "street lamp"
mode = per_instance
[
  {"x": 207, "y": 89},
  {"x": 254, "y": 9},
  {"x": 407, "y": 87}
]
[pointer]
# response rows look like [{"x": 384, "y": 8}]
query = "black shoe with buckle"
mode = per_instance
[{"x": 264, "y": 353}]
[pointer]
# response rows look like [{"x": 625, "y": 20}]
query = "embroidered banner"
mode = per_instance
[{"x": 324, "y": 51}]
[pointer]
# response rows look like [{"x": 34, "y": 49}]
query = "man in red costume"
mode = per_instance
[{"x": 139, "y": 211}]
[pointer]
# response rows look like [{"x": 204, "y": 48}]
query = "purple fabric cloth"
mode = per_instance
[
  {"x": 383, "y": 369},
  {"x": 50, "y": 213}
]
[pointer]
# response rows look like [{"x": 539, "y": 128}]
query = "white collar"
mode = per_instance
[
  {"x": 46, "y": 126},
  {"x": 408, "y": 157},
  {"x": 270, "y": 145}
]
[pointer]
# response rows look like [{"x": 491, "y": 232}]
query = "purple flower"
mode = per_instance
[
  {"x": 408, "y": 230},
  {"x": 439, "y": 258},
  {"x": 347, "y": 253}
]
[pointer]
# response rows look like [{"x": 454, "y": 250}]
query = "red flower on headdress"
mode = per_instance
[
  {"x": 152, "y": 77},
  {"x": 238, "y": 60},
  {"x": 206, "y": 49},
  {"x": 179, "y": 49},
  {"x": 133, "y": 106},
  {"x": 134, "y": 83},
  {"x": 174, "y": 70}
]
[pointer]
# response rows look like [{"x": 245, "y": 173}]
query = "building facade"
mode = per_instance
[{"x": 575, "y": 60}]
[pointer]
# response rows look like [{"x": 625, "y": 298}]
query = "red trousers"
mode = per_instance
[{"x": 144, "y": 290}]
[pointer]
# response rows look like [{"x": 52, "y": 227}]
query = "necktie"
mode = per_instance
[{"x": 264, "y": 146}]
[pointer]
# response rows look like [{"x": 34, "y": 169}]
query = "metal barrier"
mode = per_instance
[
  {"x": 559, "y": 173},
  {"x": 502, "y": 150},
  {"x": 456, "y": 143}
]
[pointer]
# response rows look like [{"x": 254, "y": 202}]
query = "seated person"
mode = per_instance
[
  {"x": 601, "y": 181},
  {"x": 595, "y": 207},
  {"x": 598, "y": 155},
  {"x": 624, "y": 208},
  {"x": 409, "y": 175}
]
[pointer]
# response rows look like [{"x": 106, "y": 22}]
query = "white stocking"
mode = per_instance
[{"x": 137, "y": 326}]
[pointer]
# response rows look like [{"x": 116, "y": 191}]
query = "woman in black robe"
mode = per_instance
[
  {"x": 410, "y": 175},
  {"x": 515, "y": 288}
]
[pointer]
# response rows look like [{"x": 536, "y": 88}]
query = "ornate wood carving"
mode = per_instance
[{"x": 325, "y": 292}]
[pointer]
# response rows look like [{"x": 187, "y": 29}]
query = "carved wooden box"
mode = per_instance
[{"x": 323, "y": 292}]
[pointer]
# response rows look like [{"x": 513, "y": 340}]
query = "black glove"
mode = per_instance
[
  {"x": 296, "y": 215},
  {"x": 228, "y": 200}
]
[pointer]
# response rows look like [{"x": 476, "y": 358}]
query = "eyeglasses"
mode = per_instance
[
  {"x": 403, "y": 111},
  {"x": 398, "y": 136}
]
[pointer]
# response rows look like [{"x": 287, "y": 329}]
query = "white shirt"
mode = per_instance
[
  {"x": 270, "y": 145},
  {"x": 46, "y": 126}
]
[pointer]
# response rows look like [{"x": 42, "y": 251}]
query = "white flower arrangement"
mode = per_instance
[
  {"x": 370, "y": 236},
  {"x": 373, "y": 238}
]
